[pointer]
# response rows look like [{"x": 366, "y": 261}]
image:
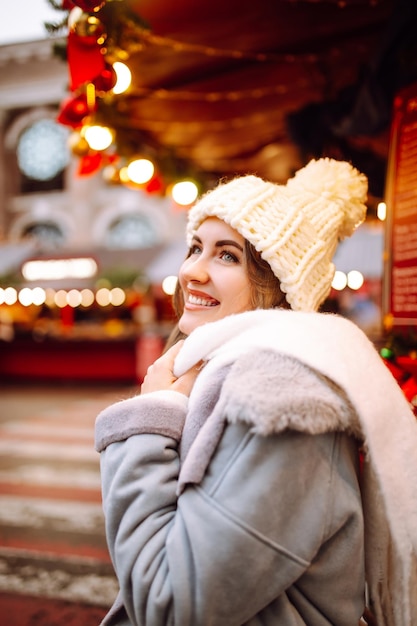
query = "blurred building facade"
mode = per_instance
[
  {"x": 49, "y": 211},
  {"x": 41, "y": 195}
]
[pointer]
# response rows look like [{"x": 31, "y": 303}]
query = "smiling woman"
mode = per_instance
[{"x": 235, "y": 487}]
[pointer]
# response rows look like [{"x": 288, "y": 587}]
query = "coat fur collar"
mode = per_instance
[
  {"x": 371, "y": 406},
  {"x": 328, "y": 344}
]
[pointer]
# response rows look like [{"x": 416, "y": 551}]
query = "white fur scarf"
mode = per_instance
[{"x": 339, "y": 350}]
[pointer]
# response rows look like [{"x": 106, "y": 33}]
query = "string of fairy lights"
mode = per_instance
[{"x": 103, "y": 35}]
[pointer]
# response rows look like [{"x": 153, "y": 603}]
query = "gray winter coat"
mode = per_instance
[{"x": 241, "y": 506}]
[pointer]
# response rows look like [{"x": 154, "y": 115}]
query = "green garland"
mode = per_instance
[{"x": 400, "y": 343}]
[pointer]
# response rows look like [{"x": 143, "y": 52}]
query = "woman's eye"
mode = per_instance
[
  {"x": 195, "y": 249},
  {"x": 229, "y": 257}
]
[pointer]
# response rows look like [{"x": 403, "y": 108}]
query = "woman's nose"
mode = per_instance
[{"x": 195, "y": 269}]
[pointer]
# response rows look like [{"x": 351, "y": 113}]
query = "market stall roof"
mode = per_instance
[{"x": 239, "y": 86}]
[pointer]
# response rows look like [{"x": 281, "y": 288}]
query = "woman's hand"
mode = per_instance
[{"x": 160, "y": 375}]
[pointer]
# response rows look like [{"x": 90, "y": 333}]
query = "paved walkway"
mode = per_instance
[{"x": 54, "y": 562}]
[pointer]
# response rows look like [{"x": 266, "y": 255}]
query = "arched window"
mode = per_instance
[
  {"x": 48, "y": 234},
  {"x": 131, "y": 230}
]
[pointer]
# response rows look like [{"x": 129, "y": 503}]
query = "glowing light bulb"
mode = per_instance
[
  {"x": 38, "y": 296},
  {"x": 169, "y": 284},
  {"x": 74, "y": 298},
  {"x": 355, "y": 279},
  {"x": 123, "y": 77},
  {"x": 61, "y": 298},
  {"x": 184, "y": 192},
  {"x": 381, "y": 211},
  {"x": 25, "y": 296},
  {"x": 10, "y": 295},
  {"x": 98, "y": 137},
  {"x": 103, "y": 297},
  {"x": 117, "y": 296},
  {"x": 87, "y": 297},
  {"x": 140, "y": 171},
  {"x": 123, "y": 175},
  {"x": 339, "y": 280}
]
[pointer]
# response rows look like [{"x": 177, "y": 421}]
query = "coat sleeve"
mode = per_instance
[{"x": 225, "y": 549}]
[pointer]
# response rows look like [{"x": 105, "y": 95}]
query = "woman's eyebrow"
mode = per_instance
[
  {"x": 221, "y": 243},
  {"x": 228, "y": 242}
]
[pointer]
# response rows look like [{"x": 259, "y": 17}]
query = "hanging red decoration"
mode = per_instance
[
  {"x": 93, "y": 161},
  {"x": 155, "y": 185},
  {"x": 84, "y": 63},
  {"x": 89, "y": 5},
  {"x": 93, "y": 36},
  {"x": 89, "y": 164},
  {"x": 73, "y": 111},
  {"x": 106, "y": 80}
]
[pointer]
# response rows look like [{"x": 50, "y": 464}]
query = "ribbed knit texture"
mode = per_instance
[{"x": 296, "y": 227}]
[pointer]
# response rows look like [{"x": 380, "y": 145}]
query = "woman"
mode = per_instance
[{"x": 232, "y": 485}]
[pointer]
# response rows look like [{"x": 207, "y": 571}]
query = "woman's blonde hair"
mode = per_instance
[{"x": 265, "y": 290}]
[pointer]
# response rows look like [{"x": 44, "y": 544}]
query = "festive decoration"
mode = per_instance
[
  {"x": 88, "y": 28},
  {"x": 401, "y": 343},
  {"x": 74, "y": 110},
  {"x": 105, "y": 34},
  {"x": 400, "y": 356},
  {"x": 106, "y": 80},
  {"x": 78, "y": 145},
  {"x": 90, "y": 163},
  {"x": 155, "y": 185},
  {"x": 101, "y": 37},
  {"x": 85, "y": 63},
  {"x": 95, "y": 70},
  {"x": 123, "y": 77},
  {"x": 98, "y": 137},
  {"x": 140, "y": 170},
  {"x": 185, "y": 192},
  {"x": 89, "y": 5}
]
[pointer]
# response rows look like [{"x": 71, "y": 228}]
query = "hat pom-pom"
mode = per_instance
[{"x": 336, "y": 182}]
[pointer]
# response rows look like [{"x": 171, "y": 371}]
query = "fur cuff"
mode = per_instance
[{"x": 161, "y": 413}]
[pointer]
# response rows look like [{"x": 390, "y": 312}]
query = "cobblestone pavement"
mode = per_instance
[{"x": 54, "y": 564}]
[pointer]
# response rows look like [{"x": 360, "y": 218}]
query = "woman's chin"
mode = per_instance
[{"x": 190, "y": 321}]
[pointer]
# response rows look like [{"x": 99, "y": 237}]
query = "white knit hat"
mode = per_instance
[{"x": 296, "y": 227}]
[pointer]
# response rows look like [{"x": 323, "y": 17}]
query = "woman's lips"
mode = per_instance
[{"x": 201, "y": 300}]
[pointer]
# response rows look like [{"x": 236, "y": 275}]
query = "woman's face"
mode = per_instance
[{"x": 213, "y": 279}]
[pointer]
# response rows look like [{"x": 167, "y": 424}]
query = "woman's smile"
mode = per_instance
[{"x": 195, "y": 299}]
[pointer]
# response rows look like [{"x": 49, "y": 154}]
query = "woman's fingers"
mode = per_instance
[
  {"x": 185, "y": 383},
  {"x": 160, "y": 374}
]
